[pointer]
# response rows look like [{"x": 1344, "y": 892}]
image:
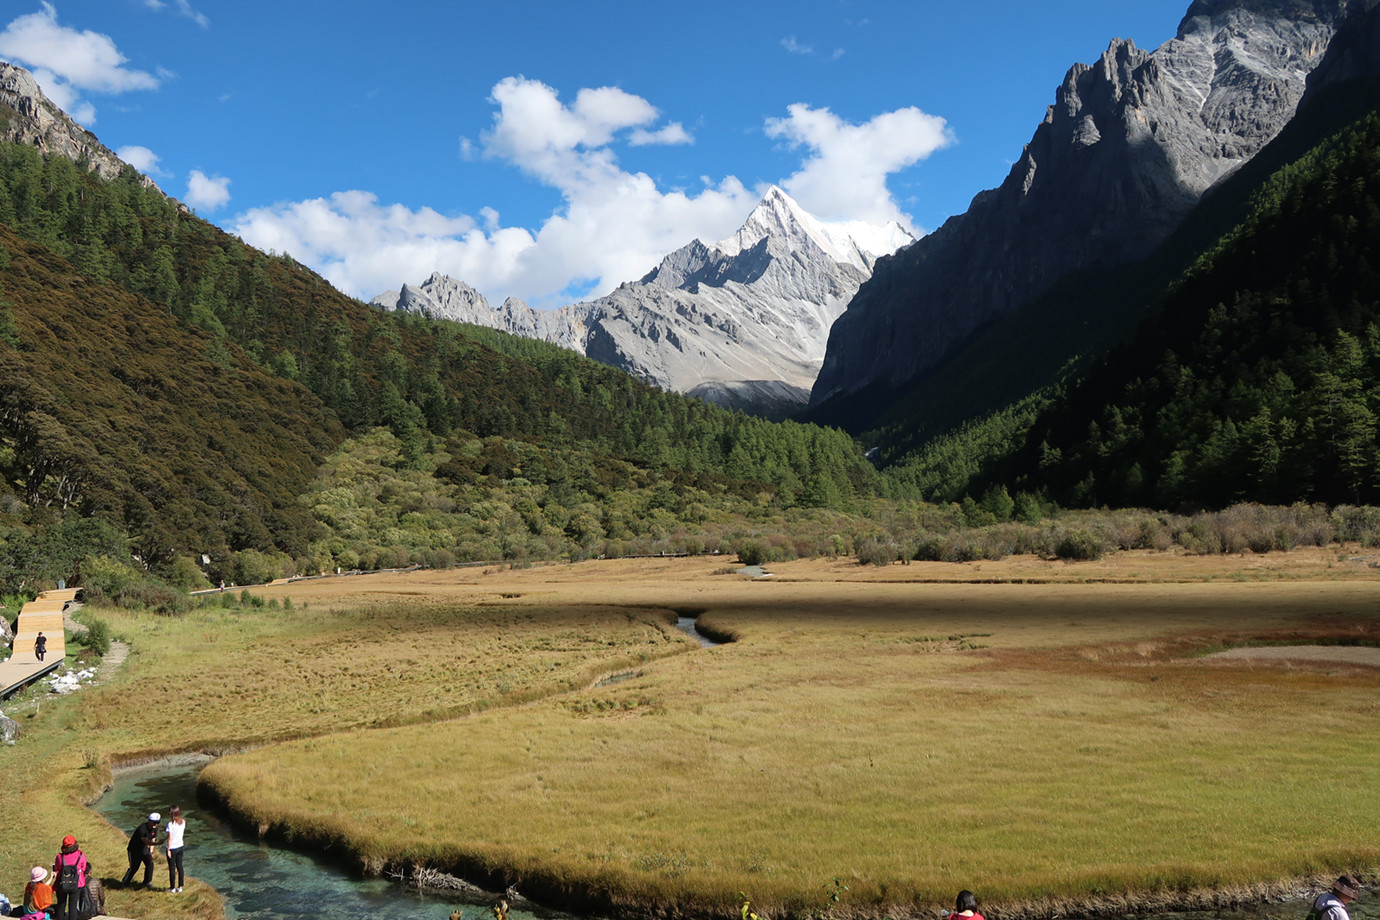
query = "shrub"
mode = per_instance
[
  {"x": 111, "y": 583},
  {"x": 752, "y": 552},
  {"x": 97, "y": 635},
  {"x": 878, "y": 551},
  {"x": 186, "y": 575},
  {"x": 1079, "y": 546}
]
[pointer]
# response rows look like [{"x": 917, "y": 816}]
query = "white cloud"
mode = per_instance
[
  {"x": 206, "y": 193},
  {"x": 65, "y": 61},
  {"x": 794, "y": 47},
  {"x": 613, "y": 225},
  {"x": 845, "y": 176},
  {"x": 141, "y": 158},
  {"x": 671, "y": 135},
  {"x": 184, "y": 8}
]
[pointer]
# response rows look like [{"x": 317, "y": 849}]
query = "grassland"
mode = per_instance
[{"x": 1043, "y": 733}]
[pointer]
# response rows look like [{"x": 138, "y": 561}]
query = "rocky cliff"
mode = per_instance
[
  {"x": 1129, "y": 146},
  {"x": 742, "y": 322},
  {"x": 28, "y": 117}
]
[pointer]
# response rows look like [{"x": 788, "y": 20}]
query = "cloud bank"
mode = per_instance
[
  {"x": 66, "y": 62},
  {"x": 613, "y": 225}
]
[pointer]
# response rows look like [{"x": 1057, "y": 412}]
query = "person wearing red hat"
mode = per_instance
[
  {"x": 71, "y": 870},
  {"x": 1331, "y": 905}
]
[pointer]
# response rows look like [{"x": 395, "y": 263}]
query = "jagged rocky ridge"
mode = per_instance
[
  {"x": 741, "y": 323},
  {"x": 1128, "y": 148},
  {"x": 31, "y": 118}
]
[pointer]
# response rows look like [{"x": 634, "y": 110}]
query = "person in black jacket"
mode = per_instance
[
  {"x": 40, "y": 646},
  {"x": 141, "y": 844}
]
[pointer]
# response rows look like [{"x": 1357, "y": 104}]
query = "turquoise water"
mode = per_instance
[{"x": 266, "y": 882}]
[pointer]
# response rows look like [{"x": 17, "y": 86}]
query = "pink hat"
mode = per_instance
[{"x": 38, "y": 874}]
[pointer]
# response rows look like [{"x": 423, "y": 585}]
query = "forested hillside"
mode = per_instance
[
  {"x": 161, "y": 375},
  {"x": 1258, "y": 379}
]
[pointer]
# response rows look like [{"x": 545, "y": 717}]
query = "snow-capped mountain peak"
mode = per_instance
[
  {"x": 742, "y": 322},
  {"x": 778, "y": 216}
]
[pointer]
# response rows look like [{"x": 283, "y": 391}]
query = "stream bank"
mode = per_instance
[{"x": 263, "y": 881}]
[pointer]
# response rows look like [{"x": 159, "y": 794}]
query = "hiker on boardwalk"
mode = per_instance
[
  {"x": 71, "y": 870},
  {"x": 38, "y": 894},
  {"x": 177, "y": 827},
  {"x": 1331, "y": 905},
  {"x": 141, "y": 843},
  {"x": 40, "y": 646}
]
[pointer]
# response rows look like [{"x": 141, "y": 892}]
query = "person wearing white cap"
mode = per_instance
[
  {"x": 1331, "y": 905},
  {"x": 141, "y": 844}
]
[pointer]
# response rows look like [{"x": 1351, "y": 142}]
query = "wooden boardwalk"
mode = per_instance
[{"x": 43, "y": 614}]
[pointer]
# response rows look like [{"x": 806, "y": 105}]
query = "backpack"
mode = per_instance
[
  {"x": 68, "y": 880},
  {"x": 1322, "y": 908}
]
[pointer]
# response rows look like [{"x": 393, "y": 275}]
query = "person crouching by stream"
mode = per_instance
[
  {"x": 1331, "y": 905},
  {"x": 70, "y": 871},
  {"x": 142, "y": 840}
]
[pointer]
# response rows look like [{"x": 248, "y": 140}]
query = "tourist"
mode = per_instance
[
  {"x": 177, "y": 826},
  {"x": 141, "y": 843},
  {"x": 1331, "y": 905},
  {"x": 71, "y": 870},
  {"x": 40, "y": 646},
  {"x": 965, "y": 906},
  {"x": 38, "y": 894}
]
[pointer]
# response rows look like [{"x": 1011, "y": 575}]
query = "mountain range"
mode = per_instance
[
  {"x": 1171, "y": 301},
  {"x": 1127, "y": 149},
  {"x": 741, "y": 323}
]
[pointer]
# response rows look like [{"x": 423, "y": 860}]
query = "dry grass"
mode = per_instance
[
  {"x": 855, "y": 731},
  {"x": 903, "y": 728}
]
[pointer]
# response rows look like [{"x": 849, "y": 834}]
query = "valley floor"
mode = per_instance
[{"x": 1053, "y": 736}]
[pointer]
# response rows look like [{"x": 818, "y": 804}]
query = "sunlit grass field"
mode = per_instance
[{"x": 909, "y": 731}]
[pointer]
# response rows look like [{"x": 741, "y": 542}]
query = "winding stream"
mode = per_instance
[
  {"x": 267, "y": 882},
  {"x": 687, "y": 626}
]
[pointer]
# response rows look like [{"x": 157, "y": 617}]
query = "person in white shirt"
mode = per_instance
[
  {"x": 177, "y": 827},
  {"x": 1331, "y": 905}
]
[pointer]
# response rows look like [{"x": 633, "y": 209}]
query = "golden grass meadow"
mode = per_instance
[{"x": 1045, "y": 734}]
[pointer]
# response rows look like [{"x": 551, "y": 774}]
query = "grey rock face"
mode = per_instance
[
  {"x": 1353, "y": 54},
  {"x": 742, "y": 323},
  {"x": 1126, "y": 150},
  {"x": 34, "y": 119}
]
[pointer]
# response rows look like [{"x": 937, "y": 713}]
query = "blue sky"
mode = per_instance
[{"x": 551, "y": 150}]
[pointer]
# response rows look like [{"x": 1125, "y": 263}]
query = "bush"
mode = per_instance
[
  {"x": 1079, "y": 546},
  {"x": 97, "y": 635},
  {"x": 1198, "y": 539},
  {"x": 878, "y": 551},
  {"x": 1357, "y": 524},
  {"x": 752, "y": 552},
  {"x": 109, "y": 582},
  {"x": 186, "y": 575}
]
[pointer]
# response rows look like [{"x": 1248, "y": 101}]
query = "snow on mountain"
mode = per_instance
[{"x": 742, "y": 323}]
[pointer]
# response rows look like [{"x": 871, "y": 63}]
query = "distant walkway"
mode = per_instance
[{"x": 43, "y": 614}]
